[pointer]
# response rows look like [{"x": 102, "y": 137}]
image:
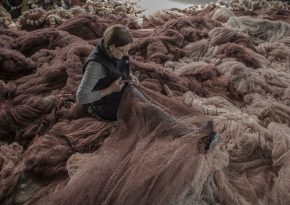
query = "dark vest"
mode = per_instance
[{"x": 114, "y": 68}]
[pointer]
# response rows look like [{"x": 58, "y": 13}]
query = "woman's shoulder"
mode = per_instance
[
  {"x": 93, "y": 63},
  {"x": 94, "y": 68}
]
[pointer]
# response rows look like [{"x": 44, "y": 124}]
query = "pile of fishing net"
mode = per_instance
[{"x": 199, "y": 75}]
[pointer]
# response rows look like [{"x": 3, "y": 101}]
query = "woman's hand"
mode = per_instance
[
  {"x": 134, "y": 79},
  {"x": 117, "y": 85}
]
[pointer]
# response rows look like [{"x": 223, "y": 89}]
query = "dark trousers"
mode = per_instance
[{"x": 106, "y": 111}]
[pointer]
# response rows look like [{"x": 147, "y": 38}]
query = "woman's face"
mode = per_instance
[{"x": 119, "y": 52}]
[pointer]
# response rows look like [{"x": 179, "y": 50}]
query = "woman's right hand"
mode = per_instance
[{"x": 117, "y": 85}]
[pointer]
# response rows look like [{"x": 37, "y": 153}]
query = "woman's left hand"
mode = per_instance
[{"x": 134, "y": 79}]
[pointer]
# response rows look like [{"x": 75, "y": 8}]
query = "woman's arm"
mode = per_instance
[{"x": 93, "y": 73}]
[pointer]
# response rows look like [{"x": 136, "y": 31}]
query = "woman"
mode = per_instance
[{"x": 106, "y": 74}]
